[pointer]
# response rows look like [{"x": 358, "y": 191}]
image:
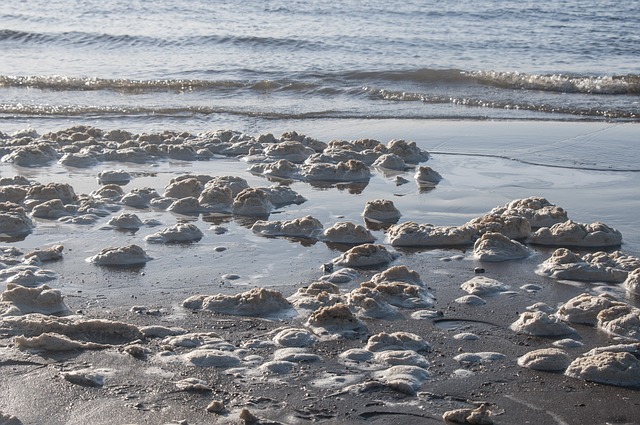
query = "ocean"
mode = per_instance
[{"x": 200, "y": 65}]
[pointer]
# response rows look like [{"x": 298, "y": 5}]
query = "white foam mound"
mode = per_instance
[
  {"x": 316, "y": 295},
  {"x": 619, "y": 369},
  {"x": 205, "y": 357},
  {"x": 294, "y": 337},
  {"x": 405, "y": 379},
  {"x": 384, "y": 341},
  {"x": 571, "y": 233},
  {"x": 622, "y": 320},
  {"x": 480, "y": 357},
  {"x": 381, "y": 210},
  {"x": 401, "y": 294},
  {"x": 539, "y": 323},
  {"x": 215, "y": 199},
  {"x": 427, "y": 235},
  {"x": 545, "y": 359},
  {"x": 183, "y": 188},
  {"x": 32, "y": 277},
  {"x": 481, "y": 285},
  {"x": 233, "y": 183},
  {"x": 480, "y": 416},
  {"x": 178, "y": 233},
  {"x": 120, "y": 256},
  {"x": 495, "y": 247},
  {"x": 512, "y": 226},
  {"x": 539, "y": 211},
  {"x": 616, "y": 259},
  {"x": 348, "y": 233},
  {"x": 427, "y": 176},
  {"x": 391, "y": 161},
  {"x": 53, "y": 253},
  {"x": 401, "y": 357},
  {"x": 305, "y": 227},
  {"x": 371, "y": 303},
  {"x": 584, "y": 308},
  {"x": 252, "y": 202},
  {"x": 632, "y": 283},
  {"x": 365, "y": 255},
  {"x": 21, "y": 300},
  {"x": 565, "y": 264},
  {"x": 399, "y": 273},
  {"x": 289, "y": 150},
  {"x": 255, "y": 302},
  {"x": 336, "y": 321},
  {"x": 281, "y": 169},
  {"x": 127, "y": 221},
  {"x": 14, "y": 221},
  {"x": 114, "y": 177},
  {"x": 408, "y": 151},
  {"x": 348, "y": 171}
]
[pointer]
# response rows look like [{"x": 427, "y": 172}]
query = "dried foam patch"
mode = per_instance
[
  {"x": 255, "y": 302},
  {"x": 204, "y": 357},
  {"x": 370, "y": 303},
  {"x": 620, "y": 369},
  {"x": 365, "y": 255},
  {"x": 480, "y": 357},
  {"x": 120, "y": 256},
  {"x": 277, "y": 367},
  {"x": 545, "y": 359},
  {"x": 473, "y": 300},
  {"x": 295, "y": 355},
  {"x": 571, "y": 233},
  {"x": 401, "y": 357},
  {"x": 294, "y": 337},
  {"x": 539, "y": 323},
  {"x": 480, "y": 415},
  {"x": 316, "y": 295},
  {"x": 403, "y": 378},
  {"x": 50, "y": 341},
  {"x": 401, "y": 294},
  {"x": 200, "y": 340},
  {"x": 343, "y": 275},
  {"x": 193, "y": 384},
  {"x": 495, "y": 247},
  {"x": 481, "y": 285}
]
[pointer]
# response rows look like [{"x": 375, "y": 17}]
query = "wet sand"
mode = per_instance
[{"x": 142, "y": 388}]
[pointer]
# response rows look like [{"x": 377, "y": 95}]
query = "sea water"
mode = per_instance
[{"x": 198, "y": 65}]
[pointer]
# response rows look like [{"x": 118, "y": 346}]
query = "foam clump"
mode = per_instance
[
  {"x": 479, "y": 416},
  {"x": 495, "y": 247},
  {"x": 621, "y": 320},
  {"x": 427, "y": 235},
  {"x": 139, "y": 197},
  {"x": 316, "y": 295},
  {"x": 120, "y": 256},
  {"x": 545, "y": 359},
  {"x": 120, "y": 177},
  {"x": 584, "y": 308},
  {"x": 50, "y": 341},
  {"x": 512, "y": 226},
  {"x": 14, "y": 221},
  {"x": 408, "y": 151},
  {"x": 381, "y": 210},
  {"x": 620, "y": 369},
  {"x": 632, "y": 282},
  {"x": 21, "y": 300},
  {"x": 178, "y": 233},
  {"x": 399, "y": 294},
  {"x": 384, "y": 341},
  {"x": 281, "y": 169},
  {"x": 52, "y": 253},
  {"x": 77, "y": 328},
  {"x": 305, "y": 227},
  {"x": 538, "y": 323},
  {"x": 193, "y": 384},
  {"x": 427, "y": 176},
  {"x": 126, "y": 221},
  {"x": 539, "y": 211},
  {"x": 481, "y": 285},
  {"x": 565, "y": 264},
  {"x": 32, "y": 277},
  {"x": 365, "y": 255},
  {"x": 336, "y": 321},
  {"x": 570, "y": 233},
  {"x": 391, "y": 161},
  {"x": 255, "y": 302},
  {"x": 348, "y": 171},
  {"x": 205, "y": 357},
  {"x": 480, "y": 357},
  {"x": 348, "y": 233},
  {"x": 399, "y": 273},
  {"x": 252, "y": 202},
  {"x": 343, "y": 275}
]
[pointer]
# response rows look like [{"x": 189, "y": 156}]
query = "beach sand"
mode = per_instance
[{"x": 588, "y": 169}]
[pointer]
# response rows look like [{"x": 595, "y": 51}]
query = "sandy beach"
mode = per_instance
[{"x": 137, "y": 343}]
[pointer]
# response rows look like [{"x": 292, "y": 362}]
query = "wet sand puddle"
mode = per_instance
[{"x": 298, "y": 282}]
